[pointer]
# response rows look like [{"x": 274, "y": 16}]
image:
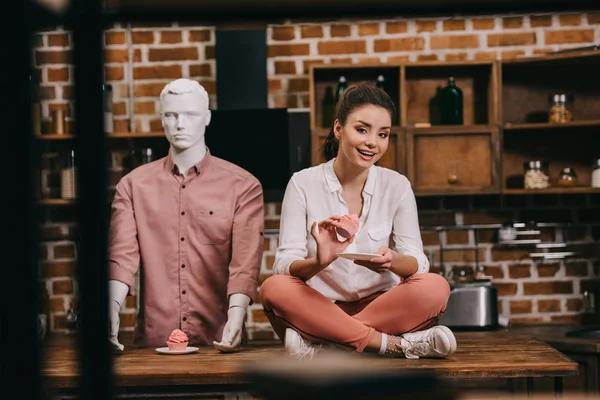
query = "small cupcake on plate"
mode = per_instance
[{"x": 178, "y": 340}]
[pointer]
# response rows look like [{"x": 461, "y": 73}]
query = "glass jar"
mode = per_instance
[
  {"x": 68, "y": 177},
  {"x": 560, "y": 108},
  {"x": 567, "y": 178},
  {"x": 596, "y": 174},
  {"x": 536, "y": 175}
]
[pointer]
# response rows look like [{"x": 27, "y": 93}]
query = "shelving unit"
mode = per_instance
[{"x": 505, "y": 121}]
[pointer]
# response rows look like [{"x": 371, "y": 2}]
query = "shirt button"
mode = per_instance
[
  {"x": 183, "y": 186},
  {"x": 182, "y": 239},
  {"x": 182, "y": 265},
  {"x": 183, "y": 292},
  {"x": 184, "y": 319},
  {"x": 183, "y": 213}
]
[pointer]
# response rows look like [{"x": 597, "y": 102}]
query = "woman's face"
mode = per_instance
[{"x": 365, "y": 136}]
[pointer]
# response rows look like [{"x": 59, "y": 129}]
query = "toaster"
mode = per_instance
[{"x": 471, "y": 306}]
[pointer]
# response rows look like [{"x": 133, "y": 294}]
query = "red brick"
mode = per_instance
[
  {"x": 426, "y": 26},
  {"x": 171, "y": 37},
  {"x": 116, "y": 55},
  {"x": 574, "y": 305},
  {"x": 552, "y": 287},
  {"x": 547, "y": 270},
  {"x": 519, "y": 271},
  {"x": 259, "y": 316},
  {"x": 512, "y": 22},
  {"x": 283, "y": 33},
  {"x": 307, "y": 63},
  {"x": 574, "y": 319},
  {"x": 521, "y": 306},
  {"x": 511, "y": 39},
  {"x": 142, "y": 37},
  {"x": 430, "y": 238},
  {"x": 148, "y": 89},
  {"x": 454, "y": 25},
  {"x": 398, "y": 59},
  {"x": 526, "y": 321},
  {"x": 368, "y": 29},
  {"x": 58, "y": 40},
  {"x": 576, "y": 269},
  {"x": 298, "y": 85},
  {"x": 483, "y": 23},
  {"x": 201, "y": 70},
  {"x": 130, "y": 302},
  {"x": 545, "y": 306},
  {"x": 569, "y": 19},
  {"x": 209, "y": 52},
  {"x": 209, "y": 85},
  {"x": 311, "y": 31},
  {"x": 507, "y": 55},
  {"x": 593, "y": 18},
  {"x": 173, "y": 54},
  {"x": 285, "y": 67},
  {"x": 462, "y": 255},
  {"x": 276, "y": 50},
  {"x": 115, "y": 38},
  {"x": 53, "y": 269},
  {"x": 157, "y": 72},
  {"x": 43, "y": 57},
  {"x": 119, "y": 108},
  {"x": 57, "y": 304},
  {"x": 505, "y": 289},
  {"x": 494, "y": 272},
  {"x": 127, "y": 320},
  {"x": 63, "y": 286},
  {"x": 427, "y": 57},
  {"x": 540, "y": 20},
  {"x": 569, "y": 36},
  {"x": 396, "y": 27},
  {"x": 272, "y": 223},
  {"x": 267, "y": 244},
  {"x": 501, "y": 254},
  {"x": 274, "y": 85},
  {"x": 369, "y": 60},
  {"x": 457, "y": 237},
  {"x": 456, "y": 56},
  {"x": 114, "y": 73},
  {"x": 202, "y": 35},
  {"x": 343, "y": 60},
  {"x": 342, "y": 47},
  {"x": 454, "y": 42},
  {"x": 59, "y": 322},
  {"x": 400, "y": 44},
  {"x": 64, "y": 251},
  {"x": 58, "y": 74},
  {"x": 486, "y": 55},
  {"x": 339, "y": 30},
  {"x": 145, "y": 107}
]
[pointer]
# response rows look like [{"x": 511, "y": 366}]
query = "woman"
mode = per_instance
[{"x": 382, "y": 305}]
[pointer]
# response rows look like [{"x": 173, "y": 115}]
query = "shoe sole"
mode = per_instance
[{"x": 450, "y": 336}]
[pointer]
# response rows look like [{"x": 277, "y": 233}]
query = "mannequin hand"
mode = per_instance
[
  {"x": 232, "y": 333},
  {"x": 328, "y": 244},
  {"x": 379, "y": 264},
  {"x": 114, "y": 325}
]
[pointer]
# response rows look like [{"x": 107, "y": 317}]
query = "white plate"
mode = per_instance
[
  {"x": 358, "y": 256},
  {"x": 165, "y": 350}
]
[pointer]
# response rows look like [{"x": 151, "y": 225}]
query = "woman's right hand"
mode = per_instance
[{"x": 328, "y": 244}]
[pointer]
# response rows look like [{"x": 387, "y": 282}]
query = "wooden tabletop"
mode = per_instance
[{"x": 478, "y": 355}]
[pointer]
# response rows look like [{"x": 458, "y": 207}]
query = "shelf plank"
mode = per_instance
[
  {"x": 549, "y": 125},
  {"x": 56, "y": 202},
  {"x": 116, "y": 135},
  {"x": 453, "y": 129},
  {"x": 555, "y": 190}
]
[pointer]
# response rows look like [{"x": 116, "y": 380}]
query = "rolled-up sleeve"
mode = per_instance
[
  {"x": 124, "y": 254},
  {"x": 407, "y": 233},
  {"x": 247, "y": 242},
  {"x": 292, "y": 230}
]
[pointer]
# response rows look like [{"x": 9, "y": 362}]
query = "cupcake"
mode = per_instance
[
  {"x": 349, "y": 224},
  {"x": 178, "y": 340}
]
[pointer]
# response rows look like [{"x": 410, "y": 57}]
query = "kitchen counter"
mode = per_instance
[{"x": 555, "y": 336}]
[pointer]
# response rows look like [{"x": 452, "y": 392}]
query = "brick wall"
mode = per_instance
[{"x": 141, "y": 60}]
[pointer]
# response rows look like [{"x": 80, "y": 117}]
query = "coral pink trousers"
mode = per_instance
[{"x": 413, "y": 305}]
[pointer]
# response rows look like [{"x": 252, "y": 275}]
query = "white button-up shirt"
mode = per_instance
[{"x": 389, "y": 217}]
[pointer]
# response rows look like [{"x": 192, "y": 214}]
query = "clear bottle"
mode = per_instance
[
  {"x": 342, "y": 85},
  {"x": 451, "y": 104},
  {"x": 596, "y": 174},
  {"x": 560, "y": 110},
  {"x": 536, "y": 175},
  {"x": 68, "y": 177},
  {"x": 327, "y": 108}
]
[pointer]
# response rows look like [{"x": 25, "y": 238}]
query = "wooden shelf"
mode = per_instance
[
  {"x": 554, "y": 190},
  {"x": 548, "y": 125},
  {"x": 56, "y": 202},
  {"x": 116, "y": 135},
  {"x": 452, "y": 129}
]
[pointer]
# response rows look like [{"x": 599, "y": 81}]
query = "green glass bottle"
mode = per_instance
[
  {"x": 327, "y": 108},
  {"x": 451, "y": 104},
  {"x": 342, "y": 85}
]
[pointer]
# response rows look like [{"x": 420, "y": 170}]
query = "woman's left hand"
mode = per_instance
[{"x": 379, "y": 264}]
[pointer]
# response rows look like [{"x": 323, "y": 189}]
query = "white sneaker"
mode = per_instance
[
  {"x": 297, "y": 346},
  {"x": 436, "y": 342}
]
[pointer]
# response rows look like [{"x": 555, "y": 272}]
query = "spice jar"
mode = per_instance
[
  {"x": 596, "y": 174},
  {"x": 536, "y": 175},
  {"x": 560, "y": 109},
  {"x": 567, "y": 178}
]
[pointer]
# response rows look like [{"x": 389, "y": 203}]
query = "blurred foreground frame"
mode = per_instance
[
  {"x": 279, "y": 11},
  {"x": 342, "y": 375}
]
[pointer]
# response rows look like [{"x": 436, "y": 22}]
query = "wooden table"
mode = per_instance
[{"x": 479, "y": 355}]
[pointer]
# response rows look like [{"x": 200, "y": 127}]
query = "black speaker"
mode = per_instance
[{"x": 241, "y": 59}]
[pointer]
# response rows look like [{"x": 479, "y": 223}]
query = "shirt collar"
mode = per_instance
[
  {"x": 198, "y": 168},
  {"x": 334, "y": 183}
]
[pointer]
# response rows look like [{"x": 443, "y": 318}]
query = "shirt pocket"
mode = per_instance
[
  {"x": 379, "y": 235},
  {"x": 212, "y": 225}
]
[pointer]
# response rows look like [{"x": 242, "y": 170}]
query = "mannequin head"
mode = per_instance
[{"x": 184, "y": 113}]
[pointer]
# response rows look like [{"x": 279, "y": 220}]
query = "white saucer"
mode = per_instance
[
  {"x": 165, "y": 350},
  {"x": 358, "y": 256}
]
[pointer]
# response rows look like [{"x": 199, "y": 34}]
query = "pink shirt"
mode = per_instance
[{"x": 197, "y": 239}]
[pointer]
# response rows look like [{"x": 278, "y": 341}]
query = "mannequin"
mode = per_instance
[{"x": 185, "y": 115}]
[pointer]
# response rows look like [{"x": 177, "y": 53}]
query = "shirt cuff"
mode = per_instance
[
  {"x": 245, "y": 286},
  {"x": 117, "y": 273}
]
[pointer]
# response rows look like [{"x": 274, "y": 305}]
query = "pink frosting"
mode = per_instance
[
  {"x": 178, "y": 336},
  {"x": 350, "y": 224}
]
